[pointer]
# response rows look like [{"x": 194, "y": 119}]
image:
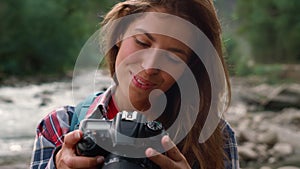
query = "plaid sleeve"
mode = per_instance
[
  {"x": 49, "y": 136},
  {"x": 230, "y": 148}
]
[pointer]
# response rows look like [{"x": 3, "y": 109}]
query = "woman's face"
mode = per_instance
[{"x": 147, "y": 61}]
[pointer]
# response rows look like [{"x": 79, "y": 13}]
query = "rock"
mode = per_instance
[
  {"x": 248, "y": 135},
  {"x": 289, "y": 96},
  {"x": 289, "y": 117},
  {"x": 250, "y": 98},
  {"x": 247, "y": 153},
  {"x": 269, "y": 138},
  {"x": 244, "y": 124},
  {"x": 288, "y": 167},
  {"x": 5, "y": 99},
  {"x": 282, "y": 150},
  {"x": 273, "y": 98},
  {"x": 265, "y": 167},
  {"x": 45, "y": 101},
  {"x": 272, "y": 160},
  {"x": 290, "y": 71},
  {"x": 258, "y": 118},
  {"x": 236, "y": 111},
  {"x": 15, "y": 166},
  {"x": 250, "y": 145},
  {"x": 296, "y": 122},
  {"x": 262, "y": 151}
]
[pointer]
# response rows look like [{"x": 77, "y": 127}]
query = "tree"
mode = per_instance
[
  {"x": 45, "y": 37},
  {"x": 272, "y": 28}
]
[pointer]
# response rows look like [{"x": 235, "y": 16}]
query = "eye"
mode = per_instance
[
  {"x": 141, "y": 43},
  {"x": 174, "y": 59}
]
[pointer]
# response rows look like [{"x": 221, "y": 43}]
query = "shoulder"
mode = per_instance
[
  {"x": 57, "y": 120},
  {"x": 229, "y": 134},
  {"x": 230, "y": 145},
  {"x": 61, "y": 114},
  {"x": 227, "y": 130},
  {"x": 53, "y": 126}
]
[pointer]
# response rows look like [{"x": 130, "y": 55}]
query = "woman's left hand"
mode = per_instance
[{"x": 172, "y": 159}]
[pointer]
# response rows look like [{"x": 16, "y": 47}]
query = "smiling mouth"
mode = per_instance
[{"x": 142, "y": 83}]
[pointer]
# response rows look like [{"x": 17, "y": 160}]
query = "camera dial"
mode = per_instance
[{"x": 154, "y": 125}]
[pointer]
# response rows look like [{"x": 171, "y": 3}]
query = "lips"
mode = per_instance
[{"x": 142, "y": 83}]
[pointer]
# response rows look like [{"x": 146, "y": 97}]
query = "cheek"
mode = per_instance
[
  {"x": 168, "y": 81},
  {"x": 121, "y": 56},
  {"x": 174, "y": 71},
  {"x": 126, "y": 49}
]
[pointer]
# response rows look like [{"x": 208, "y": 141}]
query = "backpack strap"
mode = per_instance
[{"x": 81, "y": 110}]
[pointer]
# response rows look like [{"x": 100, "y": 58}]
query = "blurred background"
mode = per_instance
[{"x": 41, "y": 40}]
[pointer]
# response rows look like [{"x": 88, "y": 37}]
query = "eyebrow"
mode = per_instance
[
  {"x": 146, "y": 33},
  {"x": 176, "y": 50},
  {"x": 180, "y": 51}
]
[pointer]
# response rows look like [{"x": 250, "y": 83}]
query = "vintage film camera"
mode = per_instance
[{"x": 122, "y": 141}]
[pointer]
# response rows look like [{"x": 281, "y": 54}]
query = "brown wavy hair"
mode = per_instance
[{"x": 210, "y": 154}]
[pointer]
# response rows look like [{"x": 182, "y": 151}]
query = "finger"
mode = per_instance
[
  {"x": 83, "y": 162},
  {"x": 172, "y": 150},
  {"x": 159, "y": 159},
  {"x": 72, "y": 138}
]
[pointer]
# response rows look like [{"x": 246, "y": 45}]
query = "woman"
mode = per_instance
[{"x": 150, "y": 63}]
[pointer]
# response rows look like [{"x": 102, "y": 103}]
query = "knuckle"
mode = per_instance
[
  {"x": 68, "y": 161},
  {"x": 66, "y": 140},
  {"x": 168, "y": 164},
  {"x": 92, "y": 162}
]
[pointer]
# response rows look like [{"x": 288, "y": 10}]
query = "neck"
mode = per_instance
[{"x": 125, "y": 102}]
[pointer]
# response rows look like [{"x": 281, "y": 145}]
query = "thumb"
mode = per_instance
[{"x": 72, "y": 138}]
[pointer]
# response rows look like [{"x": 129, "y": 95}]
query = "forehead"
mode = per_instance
[{"x": 163, "y": 24}]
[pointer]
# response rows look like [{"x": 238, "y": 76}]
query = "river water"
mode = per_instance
[{"x": 22, "y": 108}]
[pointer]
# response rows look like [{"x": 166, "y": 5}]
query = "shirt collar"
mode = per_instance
[{"x": 99, "y": 107}]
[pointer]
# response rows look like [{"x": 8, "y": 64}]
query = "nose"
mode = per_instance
[
  {"x": 152, "y": 71},
  {"x": 151, "y": 62}
]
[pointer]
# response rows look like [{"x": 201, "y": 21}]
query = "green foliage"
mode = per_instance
[
  {"x": 45, "y": 37},
  {"x": 238, "y": 55},
  {"x": 272, "y": 73},
  {"x": 272, "y": 28}
]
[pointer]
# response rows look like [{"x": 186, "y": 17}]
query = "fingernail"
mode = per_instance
[
  {"x": 167, "y": 142},
  {"x": 100, "y": 159},
  {"x": 77, "y": 135},
  {"x": 166, "y": 139},
  {"x": 149, "y": 152}
]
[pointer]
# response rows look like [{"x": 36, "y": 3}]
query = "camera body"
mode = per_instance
[{"x": 122, "y": 141}]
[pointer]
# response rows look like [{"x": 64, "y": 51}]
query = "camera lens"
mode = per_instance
[{"x": 113, "y": 161}]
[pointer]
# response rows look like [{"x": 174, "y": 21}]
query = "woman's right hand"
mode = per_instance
[{"x": 66, "y": 157}]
